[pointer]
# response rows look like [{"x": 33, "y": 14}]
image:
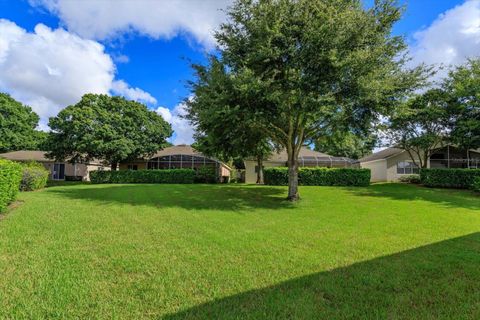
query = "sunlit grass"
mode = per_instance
[{"x": 227, "y": 251}]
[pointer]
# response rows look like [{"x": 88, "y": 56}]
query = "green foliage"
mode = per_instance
[
  {"x": 10, "y": 177},
  {"x": 342, "y": 143},
  {"x": 34, "y": 176},
  {"x": 303, "y": 68},
  {"x": 144, "y": 176},
  {"x": 206, "y": 175},
  {"x": 449, "y": 178},
  {"x": 413, "y": 179},
  {"x": 420, "y": 126},
  {"x": 463, "y": 85},
  {"x": 320, "y": 176},
  {"x": 17, "y": 125},
  {"x": 476, "y": 184},
  {"x": 108, "y": 128}
]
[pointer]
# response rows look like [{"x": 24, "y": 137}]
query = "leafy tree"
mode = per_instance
[
  {"x": 313, "y": 65},
  {"x": 17, "y": 125},
  {"x": 346, "y": 144},
  {"x": 222, "y": 130},
  {"x": 421, "y": 126},
  {"x": 463, "y": 86},
  {"x": 112, "y": 129}
]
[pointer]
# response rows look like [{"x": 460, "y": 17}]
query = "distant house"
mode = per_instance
[
  {"x": 306, "y": 158},
  {"x": 178, "y": 157},
  {"x": 392, "y": 163},
  {"x": 58, "y": 170}
]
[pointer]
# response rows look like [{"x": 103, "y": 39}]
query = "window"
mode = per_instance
[
  {"x": 132, "y": 167},
  {"x": 407, "y": 167}
]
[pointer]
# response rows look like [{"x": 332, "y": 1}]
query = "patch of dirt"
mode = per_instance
[{"x": 10, "y": 208}]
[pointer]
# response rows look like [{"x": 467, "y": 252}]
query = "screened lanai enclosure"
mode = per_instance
[
  {"x": 452, "y": 157},
  {"x": 327, "y": 162}
]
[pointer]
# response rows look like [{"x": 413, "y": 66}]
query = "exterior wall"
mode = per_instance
[
  {"x": 74, "y": 170},
  {"x": 392, "y": 166},
  {"x": 251, "y": 175},
  {"x": 378, "y": 169}
]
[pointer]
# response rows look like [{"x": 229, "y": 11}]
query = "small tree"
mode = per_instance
[
  {"x": 346, "y": 144},
  {"x": 463, "y": 86},
  {"x": 112, "y": 129},
  {"x": 17, "y": 126},
  {"x": 222, "y": 130},
  {"x": 421, "y": 126},
  {"x": 313, "y": 65}
]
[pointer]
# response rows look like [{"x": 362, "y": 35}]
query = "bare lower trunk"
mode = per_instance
[
  {"x": 293, "y": 178},
  {"x": 260, "y": 170},
  {"x": 113, "y": 166}
]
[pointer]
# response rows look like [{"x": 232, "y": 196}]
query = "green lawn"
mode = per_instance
[{"x": 240, "y": 252}]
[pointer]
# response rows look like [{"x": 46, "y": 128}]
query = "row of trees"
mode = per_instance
[
  {"x": 111, "y": 129},
  {"x": 449, "y": 113}
]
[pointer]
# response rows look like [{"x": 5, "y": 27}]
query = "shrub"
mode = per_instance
[
  {"x": 10, "y": 176},
  {"x": 319, "y": 176},
  {"x": 413, "y": 178},
  {"x": 144, "y": 176},
  {"x": 205, "y": 175},
  {"x": 476, "y": 184},
  {"x": 449, "y": 178},
  {"x": 34, "y": 176}
]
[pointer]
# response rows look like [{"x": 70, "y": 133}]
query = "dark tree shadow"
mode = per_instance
[
  {"x": 437, "y": 281},
  {"x": 190, "y": 197},
  {"x": 396, "y": 191}
]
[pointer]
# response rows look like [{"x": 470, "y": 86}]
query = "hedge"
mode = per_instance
[
  {"x": 476, "y": 184},
  {"x": 10, "y": 176},
  {"x": 34, "y": 176},
  {"x": 319, "y": 176},
  {"x": 449, "y": 178},
  {"x": 146, "y": 176}
]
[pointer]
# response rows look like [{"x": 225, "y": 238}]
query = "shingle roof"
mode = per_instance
[
  {"x": 180, "y": 149},
  {"x": 304, "y": 152},
  {"x": 384, "y": 154},
  {"x": 25, "y": 156}
]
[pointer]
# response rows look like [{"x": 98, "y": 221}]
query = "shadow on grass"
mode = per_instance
[
  {"x": 190, "y": 197},
  {"x": 431, "y": 282},
  {"x": 396, "y": 191}
]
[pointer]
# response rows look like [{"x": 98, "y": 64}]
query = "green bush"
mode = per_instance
[
  {"x": 449, "y": 178},
  {"x": 10, "y": 176},
  {"x": 205, "y": 175},
  {"x": 144, "y": 176},
  {"x": 319, "y": 176},
  {"x": 34, "y": 176},
  {"x": 476, "y": 184},
  {"x": 412, "y": 178}
]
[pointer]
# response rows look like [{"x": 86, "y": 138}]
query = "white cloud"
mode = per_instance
[
  {"x": 157, "y": 19},
  {"x": 122, "y": 88},
  {"x": 51, "y": 69},
  {"x": 182, "y": 128},
  {"x": 451, "y": 38}
]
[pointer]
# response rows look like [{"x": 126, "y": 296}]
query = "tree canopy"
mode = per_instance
[
  {"x": 108, "y": 128},
  {"x": 312, "y": 65},
  {"x": 222, "y": 130},
  {"x": 346, "y": 144},
  {"x": 463, "y": 86},
  {"x": 421, "y": 126},
  {"x": 17, "y": 126}
]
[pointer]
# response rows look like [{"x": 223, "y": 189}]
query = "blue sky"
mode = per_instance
[{"x": 146, "y": 55}]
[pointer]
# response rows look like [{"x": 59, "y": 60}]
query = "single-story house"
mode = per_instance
[
  {"x": 392, "y": 163},
  {"x": 58, "y": 170},
  {"x": 179, "y": 157},
  {"x": 306, "y": 158}
]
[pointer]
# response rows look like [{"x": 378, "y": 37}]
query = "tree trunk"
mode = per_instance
[
  {"x": 260, "y": 170},
  {"x": 292, "y": 176},
  {"x": 113, "y": 166}
]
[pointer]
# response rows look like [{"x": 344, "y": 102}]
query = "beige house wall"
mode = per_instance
[
  {"x": 78, "y": 169},
  {"x": 251, "y": 175},
  {"x": 378, "y": 169},
  {"x": 392, "y": 166},
  {"x": 140, "y": 165}
]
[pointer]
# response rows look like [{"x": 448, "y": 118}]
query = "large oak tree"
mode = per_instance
[
  {"x": 111, "y": 129},
  {"x": 313, "y": 65}
]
